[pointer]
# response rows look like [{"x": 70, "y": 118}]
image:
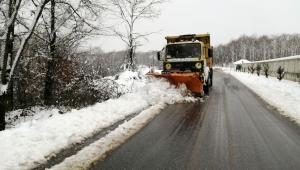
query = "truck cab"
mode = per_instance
[{"x": 188, "y": 59}]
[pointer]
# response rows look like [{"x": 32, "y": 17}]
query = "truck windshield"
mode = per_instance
[{"x": 183, "y": 50}]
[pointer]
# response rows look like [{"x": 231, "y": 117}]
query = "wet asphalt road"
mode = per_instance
[{"x": 232, "y": 129}]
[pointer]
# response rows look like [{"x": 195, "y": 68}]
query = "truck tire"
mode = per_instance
[
  {"x": 211, "y": 76},
  {"x": 208, "y": 85},
  {"x": 206, "y": 90}
]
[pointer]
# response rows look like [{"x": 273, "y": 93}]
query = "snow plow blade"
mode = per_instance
[{"x": 193, "y": 81}]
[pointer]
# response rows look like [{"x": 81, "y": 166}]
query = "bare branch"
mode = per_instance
[{"x": 129, "y": 11}]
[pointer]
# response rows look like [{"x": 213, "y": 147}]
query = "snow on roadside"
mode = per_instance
[
  {"x": 284, "y": 95},
  {"x": 35, "y": 141},
  {"x": 98, "y": 150}
]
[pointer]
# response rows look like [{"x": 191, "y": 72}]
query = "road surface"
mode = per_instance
[{"x": 232, "y": 129}]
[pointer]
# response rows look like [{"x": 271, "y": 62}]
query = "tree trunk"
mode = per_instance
[
  {"x": 7, "y": 81},
  {"x": 10, "y": 93},
  {"x": 6, "y": 99},
  {"x": 131, "y": 58},
  {"x": 2, "y": 111},
  {"x": 51, "y": 66}
]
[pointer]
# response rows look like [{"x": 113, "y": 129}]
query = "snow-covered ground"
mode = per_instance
[
  {"x": 284, "y": 95},
  {"x": 35, "y": 140}
]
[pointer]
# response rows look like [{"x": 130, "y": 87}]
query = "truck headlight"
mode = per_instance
[
  {"x": 168, "y": 66},
  {"x": 198, "y": 65}
]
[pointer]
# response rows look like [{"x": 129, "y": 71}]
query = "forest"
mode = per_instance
[{"x": 257, "y": 48}]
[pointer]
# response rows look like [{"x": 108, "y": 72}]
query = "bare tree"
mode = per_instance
[
  {"x": 7, "y": 51},
  {"x": 66, "y": 23},
  {"x": 264, "y": 46},
  {"x": 233, "y": 55},
  {"x": 293, "y": 44},
  {"x": 6, "y": 79},
  {"x": 245, "y": 49},
  {"x": 283, "y": 44},
  {"x": 273, "y": 47},
  {"x": 128, "y": 12}
]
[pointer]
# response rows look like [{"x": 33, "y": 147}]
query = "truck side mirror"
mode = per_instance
[
  {"x": 158, "y": 55},
  {"x": 210, "y": 52}
]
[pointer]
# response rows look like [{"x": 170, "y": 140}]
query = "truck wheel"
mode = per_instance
[
  {"x": 211, "y": 76},
  {"x": 207, "y": 86},
  {"x": 206, "y": 89}
]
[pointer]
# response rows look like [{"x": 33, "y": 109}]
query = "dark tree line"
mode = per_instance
[
  {"x": 38, "y": 52},
  {"x": 257, "y": 48}
]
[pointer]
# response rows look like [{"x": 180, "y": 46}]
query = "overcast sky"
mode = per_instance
[{"x": 224, "y": 20}]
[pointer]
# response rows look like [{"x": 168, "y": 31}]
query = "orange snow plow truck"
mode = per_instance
[{"x": 188, "y": 59}]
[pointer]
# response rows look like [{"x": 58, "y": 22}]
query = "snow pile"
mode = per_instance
[{"x": 35, "y": 141}]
